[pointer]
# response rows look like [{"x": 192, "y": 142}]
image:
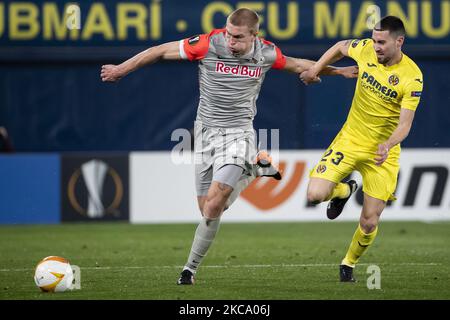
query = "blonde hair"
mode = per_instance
[{"x": 245, "y": 17}]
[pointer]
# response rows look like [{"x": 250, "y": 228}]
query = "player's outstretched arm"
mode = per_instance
[
  {"x": 298, "y": 66},
  {"x": 335, "y": 53},
  {"x": 301, "y": 65},
  {"x": 166, "y": 51},
  {"x": 399, "y": 134}
]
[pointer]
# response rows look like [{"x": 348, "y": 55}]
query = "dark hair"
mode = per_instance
[
  {"x": 245, "y": 17},
  {"x": 392, "y": 24}
]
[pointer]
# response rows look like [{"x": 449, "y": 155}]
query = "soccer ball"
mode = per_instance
[{"x": 53, "y": 274}]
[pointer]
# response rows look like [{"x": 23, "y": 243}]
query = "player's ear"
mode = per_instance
[{"x": 400, "y": 40}]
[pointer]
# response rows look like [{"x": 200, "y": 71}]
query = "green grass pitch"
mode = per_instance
[{"x": 288, "y": 261}]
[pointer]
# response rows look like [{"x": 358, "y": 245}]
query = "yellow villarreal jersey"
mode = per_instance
[{"x": 379, "y": 95}]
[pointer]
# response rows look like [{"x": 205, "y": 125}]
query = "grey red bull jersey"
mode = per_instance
[{"x": 229, "y": 85}]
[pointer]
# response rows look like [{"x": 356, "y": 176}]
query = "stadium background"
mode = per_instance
[{"x": 67, "y": 127}]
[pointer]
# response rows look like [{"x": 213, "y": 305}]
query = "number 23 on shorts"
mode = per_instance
[{"x": 336, "y": 159}]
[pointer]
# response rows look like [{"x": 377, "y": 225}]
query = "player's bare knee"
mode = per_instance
[
  {"x": 316, "y": 196},
  {"x": 369, "y": 218},
  {"x": 216, "y": 203},
  {"x": 212, "y": 209},
  {"x": 368, "y": 225}
]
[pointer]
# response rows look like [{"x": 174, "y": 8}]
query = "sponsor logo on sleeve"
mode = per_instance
[{"x": 193, "y": 40}]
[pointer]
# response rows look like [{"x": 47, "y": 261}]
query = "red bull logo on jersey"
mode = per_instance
[{"x": 239, "y": 70}]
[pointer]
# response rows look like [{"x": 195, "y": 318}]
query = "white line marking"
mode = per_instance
[{"x": 243, "y": 266}]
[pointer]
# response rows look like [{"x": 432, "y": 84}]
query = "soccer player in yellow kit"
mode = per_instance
[{"x": 387, "y": 94}]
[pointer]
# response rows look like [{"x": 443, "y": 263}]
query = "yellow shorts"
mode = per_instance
[{"x": 343, "y": 157}]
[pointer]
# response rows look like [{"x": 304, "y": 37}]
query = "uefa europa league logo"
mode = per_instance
[
  {"x": 94, "y": 173},
  {"x": 95, "y": 189}
]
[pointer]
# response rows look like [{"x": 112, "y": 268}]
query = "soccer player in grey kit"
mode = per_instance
[{"x": 232, "y": 65}]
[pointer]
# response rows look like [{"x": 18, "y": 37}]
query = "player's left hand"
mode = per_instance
[
  {"x": 382, "y": 154},
  {"x": 110, "y": 73},
  {"x": 309, "y": 76},
  {"x": 349, "y": 72}
]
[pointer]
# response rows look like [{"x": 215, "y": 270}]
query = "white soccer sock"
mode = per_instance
[{"x": 204, "y": 236}]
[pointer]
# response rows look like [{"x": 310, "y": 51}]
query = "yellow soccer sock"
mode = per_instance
[
  {"x": 341, "y": 191},
  {"x": 360, "y": 243}
]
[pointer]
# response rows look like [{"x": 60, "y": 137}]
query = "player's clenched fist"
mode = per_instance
[
  {"x": 309, "y": 76},
  {"x": 110, "y": 73},
  {"x": 382, "y": 154}
]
